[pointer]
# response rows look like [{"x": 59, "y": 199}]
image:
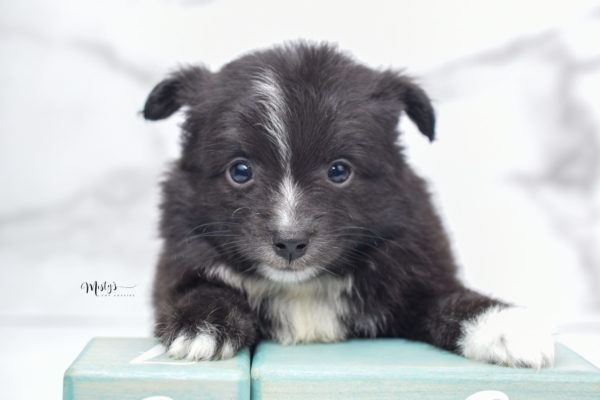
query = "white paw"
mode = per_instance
[
  {"x": 507, "y": 336},
  {"x": 203, "y": 346}
]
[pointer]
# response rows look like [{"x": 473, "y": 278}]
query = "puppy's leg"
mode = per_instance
[
  {"x": 487, "y": 330},
  {"x": 207, "y": 322}
]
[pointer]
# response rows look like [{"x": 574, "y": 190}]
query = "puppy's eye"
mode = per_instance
[
  {"x": 240, "y": 172},
  {"x": 339, "y": 172}
]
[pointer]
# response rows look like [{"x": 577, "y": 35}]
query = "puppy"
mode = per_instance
[{"x": 292, "y": 215}]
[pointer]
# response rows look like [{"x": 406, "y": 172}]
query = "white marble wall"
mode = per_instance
[{"x": 515, "y": 170}]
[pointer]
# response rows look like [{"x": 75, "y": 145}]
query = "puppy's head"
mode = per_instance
[{"x": 289, "y": 165}]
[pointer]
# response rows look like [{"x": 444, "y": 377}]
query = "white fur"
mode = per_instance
[
  {"x": 508, "y": 336},
  {"x": 287, "y": 204},
  {"x": 270, "y": 95},
  {"x": 311, "y": 311},
  {"x": 272, "y": 99},
  {"x": 227, "y": 351},
  {"x": 287, "y": 276},
  {"x": 305, "y": 309},
  {"x": 226, "y": 275},
  {"x": 179, "y": 347},
  {"x": 147, "y": 357},
  {"x": 203, "y": 346}
]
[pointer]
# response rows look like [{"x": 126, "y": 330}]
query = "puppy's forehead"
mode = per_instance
[{"x": 301, "y": 105}]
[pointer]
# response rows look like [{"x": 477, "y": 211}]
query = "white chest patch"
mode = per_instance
[
  {"x": 308, "y": 312},
  {"x": 302, "y": 312}
]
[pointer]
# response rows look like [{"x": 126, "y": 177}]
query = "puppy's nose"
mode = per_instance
[{"x": 290, "y": 245}]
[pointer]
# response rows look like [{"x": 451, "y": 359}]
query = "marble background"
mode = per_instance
[{"x": 515, "y": 171}]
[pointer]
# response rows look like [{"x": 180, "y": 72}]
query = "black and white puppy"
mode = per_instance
[{"x": 292, "y": 215}]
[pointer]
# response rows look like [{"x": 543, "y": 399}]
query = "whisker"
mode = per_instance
[
  {"x": 223, "y": 223},
  {"x": 239, "y": 209},
  {"x": 324, "y": 269}
]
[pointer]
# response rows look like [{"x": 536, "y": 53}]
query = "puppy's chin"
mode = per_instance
[{"x": 288, "y": 276}]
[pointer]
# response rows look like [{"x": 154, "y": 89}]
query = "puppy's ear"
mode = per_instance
[
  {"x": 178, "y": 89},
  {"x": 413, "y": 99}
]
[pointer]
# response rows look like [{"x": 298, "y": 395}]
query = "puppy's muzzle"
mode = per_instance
[{"x": 290, "y": 245}]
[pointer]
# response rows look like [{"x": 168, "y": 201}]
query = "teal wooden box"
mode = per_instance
[
  {"x": 124, "y": 369},
  {"x": 398, "y": 369}
]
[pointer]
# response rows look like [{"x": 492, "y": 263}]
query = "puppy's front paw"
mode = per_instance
[
  {"x": 205, "y": 344},
  {"x": 507, "y": 336}
]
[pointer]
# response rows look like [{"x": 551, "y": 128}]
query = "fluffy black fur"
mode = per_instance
[{"x": 379, "y": 230}]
